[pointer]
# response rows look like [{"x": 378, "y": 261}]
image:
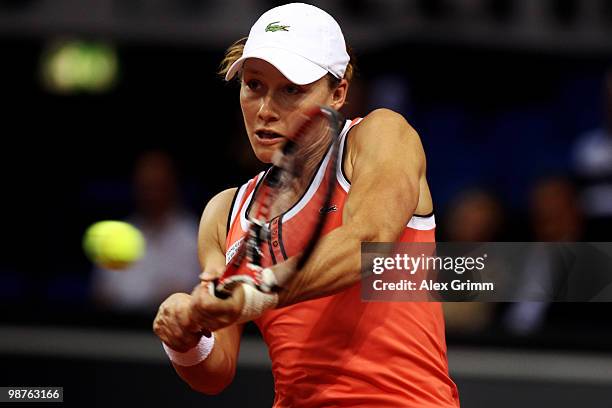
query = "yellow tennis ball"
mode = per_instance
[{"x": 113, "y": 244}]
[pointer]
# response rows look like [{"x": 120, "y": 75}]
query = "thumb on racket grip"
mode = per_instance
[
  {"x": 212, "y": 289},
  {"x": 268, "y": 280},
  {"x": 280, "y": 274}
]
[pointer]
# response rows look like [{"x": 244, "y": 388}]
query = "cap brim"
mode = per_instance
[{"x": 295, "y": 68}]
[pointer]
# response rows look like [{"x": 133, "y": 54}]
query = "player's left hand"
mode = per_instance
[{"x": 212, "y": 312}]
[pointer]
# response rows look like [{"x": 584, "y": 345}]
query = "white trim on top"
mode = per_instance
[
  {"x": 312, "y": 189},
  {"x": 237, "y": 202},
  {"x": 243, "y": 221},
  {"x": 422, "y": 223},
  {"x": 314, "y": 186},
  {"x": 344, "y": 183}
]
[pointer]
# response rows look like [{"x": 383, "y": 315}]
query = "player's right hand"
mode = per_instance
[{"x": 174, "y": 324}]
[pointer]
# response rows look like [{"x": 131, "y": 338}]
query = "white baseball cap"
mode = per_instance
[{"x": 302, "y": 41}]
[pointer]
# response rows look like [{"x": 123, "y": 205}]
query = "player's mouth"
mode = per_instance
[{"x": 268, "y": 137}]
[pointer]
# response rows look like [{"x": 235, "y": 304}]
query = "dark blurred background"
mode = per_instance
[{"x": 113, "y": 110}]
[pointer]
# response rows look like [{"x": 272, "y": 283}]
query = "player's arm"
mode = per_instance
[
  {"x": 175, "y": 323},
  {"x": 386, "y": 163}
]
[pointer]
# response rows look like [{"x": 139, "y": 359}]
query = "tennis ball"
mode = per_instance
[{"x": 113, "y": 244}]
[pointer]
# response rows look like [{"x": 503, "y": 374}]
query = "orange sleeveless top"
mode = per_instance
[{"x": 338, "y": 350}]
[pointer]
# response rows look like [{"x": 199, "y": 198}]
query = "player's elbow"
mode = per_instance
[
  {"x": 207, "y": 379},
  {"x": 212, "y": 389},
  {"x": 213, "y": 386}
]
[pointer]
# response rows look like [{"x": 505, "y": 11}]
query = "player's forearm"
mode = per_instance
[
  {"x": 216, "y": 372},
  {"x": 334, "y": 266}
]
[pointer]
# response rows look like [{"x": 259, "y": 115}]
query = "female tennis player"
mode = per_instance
[{"x": 328, "y": 348}]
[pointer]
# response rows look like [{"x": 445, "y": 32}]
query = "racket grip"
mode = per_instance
[{"x": 216, "y": 293}]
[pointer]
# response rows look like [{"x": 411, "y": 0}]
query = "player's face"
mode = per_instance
[{"x": 271, "y": 104}]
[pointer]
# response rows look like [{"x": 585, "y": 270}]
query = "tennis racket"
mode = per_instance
[{"x": 316, "y": 138}]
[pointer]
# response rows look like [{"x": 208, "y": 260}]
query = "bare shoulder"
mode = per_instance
[
  {"x": 383, "y": 132},
  {"x": 384, "y": 120},
  {"x": 220, "y": 204},
  {"x": 214, "y": 218}
]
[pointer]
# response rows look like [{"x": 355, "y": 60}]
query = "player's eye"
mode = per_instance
[
  {"x": 292, "y": 89},
  {"x": 253, "y": 84}
]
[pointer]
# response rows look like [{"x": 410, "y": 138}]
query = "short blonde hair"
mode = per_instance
[{"x": 234, "y": 52}]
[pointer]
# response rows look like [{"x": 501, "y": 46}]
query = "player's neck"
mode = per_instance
[
  {"x": 290, "y": 196},
  {"x": 314, "y": 157}
]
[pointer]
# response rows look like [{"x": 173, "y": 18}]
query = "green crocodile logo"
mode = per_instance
[{"x": 272, "y": 27}]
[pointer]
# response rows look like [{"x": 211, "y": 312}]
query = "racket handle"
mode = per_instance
[{"x": 216, "y": 293}]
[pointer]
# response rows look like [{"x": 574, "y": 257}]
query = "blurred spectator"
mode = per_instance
[
  {"x": 473, "y": 216},
  {"x": 592, "y": 156},
  {"x": 170, "y": 263},
  {"x": 555, "y": 211},
  {"x": 555, "y": 216}
]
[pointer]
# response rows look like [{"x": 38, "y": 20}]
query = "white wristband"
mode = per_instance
[
  {"x": 194, "y": 356},
  {"x": 255, "y": 303}
]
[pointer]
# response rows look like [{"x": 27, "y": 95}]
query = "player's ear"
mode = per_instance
[{"x": 339, "y": 94}]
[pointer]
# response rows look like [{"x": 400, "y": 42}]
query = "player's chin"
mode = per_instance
[{"x": 265, "y": 153}]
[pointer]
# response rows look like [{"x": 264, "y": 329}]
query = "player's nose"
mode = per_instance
[{"x": 268, "y": 111}]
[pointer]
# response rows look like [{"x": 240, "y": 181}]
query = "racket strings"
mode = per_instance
[
  {"x": 295, "y": 191},
  {"x": 294, "y": 169}
]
